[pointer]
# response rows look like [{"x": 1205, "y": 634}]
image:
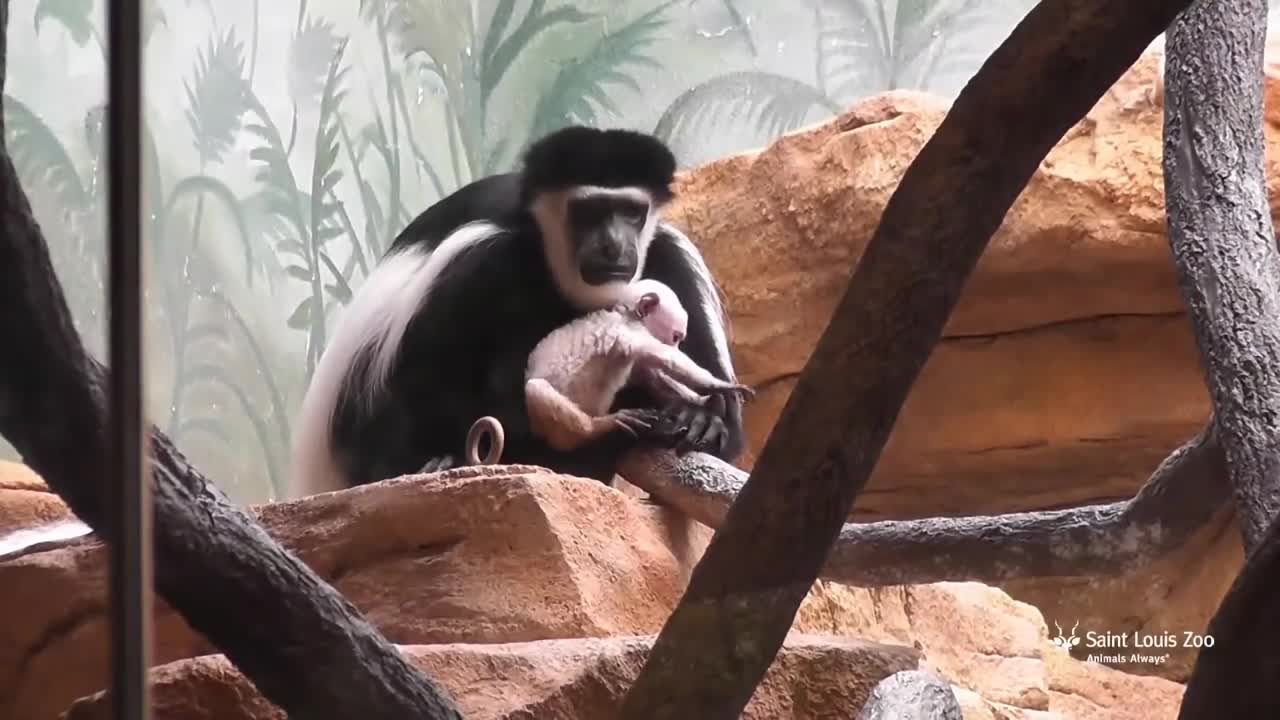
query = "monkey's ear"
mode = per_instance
[{"x": 647, "y": 303}]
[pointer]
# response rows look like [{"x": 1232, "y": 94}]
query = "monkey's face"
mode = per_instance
[
  {"x": 665, "y": 320},
  {"x": 608, "y": 235}
]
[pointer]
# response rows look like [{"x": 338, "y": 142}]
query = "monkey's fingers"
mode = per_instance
[
  {"x": 635, "y": 421},
  {"x": 746, "y": 392},
  {"x": 703, "y": 431},
  {"x": 714, "y": 438},
  {"x": 698, "y": 422}
]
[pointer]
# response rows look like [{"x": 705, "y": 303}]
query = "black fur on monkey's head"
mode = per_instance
[{"x": 578, "y": 155}]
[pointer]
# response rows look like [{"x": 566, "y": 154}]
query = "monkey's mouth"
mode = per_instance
[{"x": 599, "y": 273}]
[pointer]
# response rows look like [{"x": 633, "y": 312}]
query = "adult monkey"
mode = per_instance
[{"x": 440, "y": 332}]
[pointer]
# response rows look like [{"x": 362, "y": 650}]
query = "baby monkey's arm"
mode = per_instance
[
  {"x": 682, "y": 374},
  {"x": 556, "y": 419}
]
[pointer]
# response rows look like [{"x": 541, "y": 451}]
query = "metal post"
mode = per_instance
[{"x": 131, "y": 579}]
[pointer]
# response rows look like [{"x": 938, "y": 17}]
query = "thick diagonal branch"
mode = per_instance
[
  {"x": 743, "y": 595},
  {"x": 1224, "y": 247},
  {"x": 1181, "y": 496},
  {"x": 1223, "y": 242},
  {"x": 305, "y": 646}
]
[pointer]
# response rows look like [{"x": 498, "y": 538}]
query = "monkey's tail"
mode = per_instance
[{"x": 485, "y": 425}]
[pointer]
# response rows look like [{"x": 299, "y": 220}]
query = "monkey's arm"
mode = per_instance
[
  {"x": 655, "y": 356},
  {"x": 716, "y": 426},
  {"x": 564, "y": 426},
  {"x": 665, "y": 386}
]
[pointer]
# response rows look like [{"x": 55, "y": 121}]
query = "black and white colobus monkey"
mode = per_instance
[{"x": 440, "y": 332}]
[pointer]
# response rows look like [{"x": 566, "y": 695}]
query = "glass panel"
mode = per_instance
[{"x": 288, "y": 143}]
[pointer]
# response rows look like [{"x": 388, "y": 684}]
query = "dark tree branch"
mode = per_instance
[
  {"x": 1180, "y": 497},
  {"x": 1049, "y": 72},
  {"x": 1223, "y": 245},
  {"x": 1223, "y": 242},
  {"x": 307, "y": 648},
  {"x": 912, "y": 695},
  {"x": 1236, "y": 677}
]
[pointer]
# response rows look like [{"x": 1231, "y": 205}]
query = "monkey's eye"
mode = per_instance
[{"x": 633, "y": 213}]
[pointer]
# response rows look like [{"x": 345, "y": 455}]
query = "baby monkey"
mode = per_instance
[{"x": 576, "y": 370}]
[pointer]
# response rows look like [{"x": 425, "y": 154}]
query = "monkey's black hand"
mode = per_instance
[
  {"x": 437, "y": 464},
  {"x": 635, "y": 421},
  {"x": 687, "y": 427}
]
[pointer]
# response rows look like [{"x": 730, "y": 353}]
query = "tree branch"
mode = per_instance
[
  {"x": 1180, "y": 497},
  {"x": 308, "y": 649},
  {"x": 1223, "y": 242},
  {"x": 912, "y": 695},
  {"x": 1236, "y": 676},
  {"x": 725, "y": 632}
]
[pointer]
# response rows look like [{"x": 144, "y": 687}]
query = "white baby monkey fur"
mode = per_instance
[{"x": 592, "y": 358}]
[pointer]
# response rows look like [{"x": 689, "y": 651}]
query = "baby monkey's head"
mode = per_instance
[{"x": 657, "y": 306}]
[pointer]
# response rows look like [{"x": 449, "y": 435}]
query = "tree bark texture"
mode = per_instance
[
  {"x": 303, "y": 645},
  {"x": 743, "y": 594},
  {"x": 1223, "y": 244},
  {"x": 1222, "y": 238},
  {"x": 912, "y": 695},
  {"x": 1181, "y": 496}
]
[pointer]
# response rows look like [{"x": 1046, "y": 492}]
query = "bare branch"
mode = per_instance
[
  {"x": 307, "y": 648},
  {"x": 1180, "y": 497},
  {"x": 912, "y": 695},
  {"x": 1224, "y": 248},
  {"x": 1043, "y": 78},
  {"x": 1223, "y": 241}
]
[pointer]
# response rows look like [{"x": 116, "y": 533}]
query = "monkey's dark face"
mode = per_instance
[
  {"x": 607, "y": 236},
  {"x": 595, "y": 239}
]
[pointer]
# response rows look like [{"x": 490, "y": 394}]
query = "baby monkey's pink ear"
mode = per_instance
[{"x": 647, "y": 303}]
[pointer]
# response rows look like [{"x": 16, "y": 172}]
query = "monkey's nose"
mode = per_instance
[{"x": 676, "y": 337}]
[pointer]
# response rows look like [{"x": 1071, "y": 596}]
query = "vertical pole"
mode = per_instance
[{"x": 131, "y": 579}]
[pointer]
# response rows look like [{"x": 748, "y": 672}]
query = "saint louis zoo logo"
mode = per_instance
[
  {"x": 1063, "y": 641},
  {"x": 1136, "y": 640}
]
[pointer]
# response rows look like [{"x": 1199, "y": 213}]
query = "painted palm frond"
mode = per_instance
[
  {"x": 326, "y": 210},
  {"x": 771, "y": 104},
  {"x": 206, "y": 186},
  {"x": 40, "y": 157},
  {"x": 875, "y": 45},
  {"x": 219, "y": 374},
  {"x": 582, "y": 87},
  {"x": 310, "y": 54},
  {"x": 497, "y": 54},
  {"x": 216, "y": 96},
  {"x": 857, "y": 46},
  {"x": 962, "y": 38},
  {"x": 278, "y": 193}
]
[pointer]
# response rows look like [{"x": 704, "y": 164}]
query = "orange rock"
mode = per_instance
[
  {"x": 1067, "y": 371},
  {"x": 550, "y": 679},
  {"x": 25, "y": 501},
  {"x": 498, "y": 555},
  {"x": 1090, "y": 690}
]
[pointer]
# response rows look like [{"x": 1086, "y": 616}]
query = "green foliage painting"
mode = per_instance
[{"x": 287, "y": 145}]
